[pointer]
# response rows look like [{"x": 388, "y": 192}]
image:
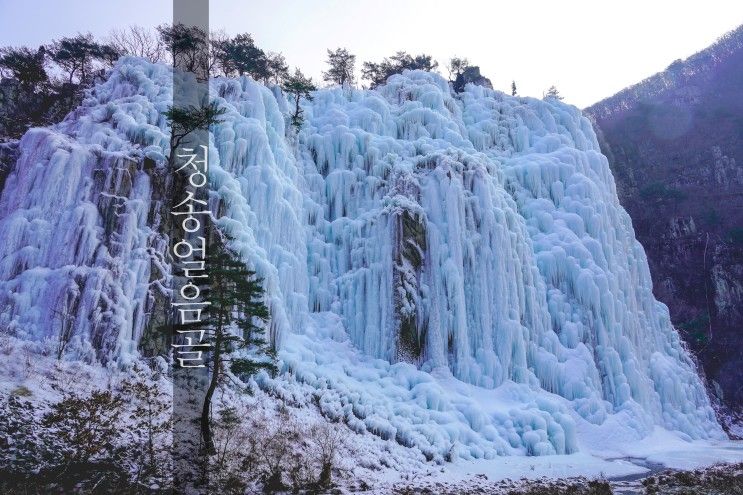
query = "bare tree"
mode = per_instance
[
  {"x": 275, "y": 449},
  {"x": 150, "y": 416},
  {"x": 456, "y": 66},
  {"x": 140, "y": 42},
  {"x": 66, "y": 328},
  {"x": 326, "y": 440},
  {"x": 234, "y": 461},
  {"x": 218, "y": 59}
]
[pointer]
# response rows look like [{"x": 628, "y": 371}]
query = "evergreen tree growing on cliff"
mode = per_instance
[
  {"x": 378, "y": 73},
  {"x": 341, "y": 68},
  {"x": 233, "y": 325},
  {"x": 185, "y": 120},
  {"x": 514, "y": 92},
  {"x": 240, "y": 55},
  {"x": 298, "y": 86},
  {"x": 552, "y": 94},
  {"x": 77, "y": 56},
  {"x": 24, "y": 65},
  {"x": 278, "y": 70}
]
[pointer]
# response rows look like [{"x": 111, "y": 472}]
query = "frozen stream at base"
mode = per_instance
[
  {"x": 624, "y": 474},
  {"x": 632, "y": 484}
]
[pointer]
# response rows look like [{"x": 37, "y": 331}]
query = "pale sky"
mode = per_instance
[{"x": 588, "y": 49}]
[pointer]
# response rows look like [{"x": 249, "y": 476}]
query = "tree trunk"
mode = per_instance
[
  {"x": 206, "y": 427},
  {"x": 325, "y": 475},
  {"x": 150, "y": 440},
  {"x": 273, "y": 483}
]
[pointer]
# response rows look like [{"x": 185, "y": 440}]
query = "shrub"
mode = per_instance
[{"x": 86, "y": 427}]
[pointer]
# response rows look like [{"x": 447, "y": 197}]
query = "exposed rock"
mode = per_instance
[
  {"x": 8, "y": 157},
  {"x": 471, "y": 75}
]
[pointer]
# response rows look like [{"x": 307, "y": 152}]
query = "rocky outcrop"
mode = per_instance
[
  {"x": 8, "y": 157},
  {"x": 471, "y": 75}
]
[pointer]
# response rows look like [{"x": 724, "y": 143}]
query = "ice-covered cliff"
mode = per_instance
[{"x": 451, "y": 271}]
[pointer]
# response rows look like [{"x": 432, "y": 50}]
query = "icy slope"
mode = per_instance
[
  {"x": 79, "y": 214},
  {"x": 475, "y": 240}
]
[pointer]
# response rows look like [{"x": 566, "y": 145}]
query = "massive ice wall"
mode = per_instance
[
  {"x": 483, "y": 233},
  {"x": 476, "y": 233},
  {"x": 79, "y": 215}
]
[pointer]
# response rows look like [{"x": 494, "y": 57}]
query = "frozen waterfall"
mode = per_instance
[{"x": 452, "y": 271}]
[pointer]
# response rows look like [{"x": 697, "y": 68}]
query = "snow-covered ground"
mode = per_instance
[
  {"x": 604, "y": 451},
  {"x": 370, "y": 461}
]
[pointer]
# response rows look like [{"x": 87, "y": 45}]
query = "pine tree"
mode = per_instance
[
  {"x": 299, "y": 87},
  {"x": 184, "y": 121},
  {"x": 233, "y": 325},
  {"x": 77, "y": 55},
  {"x": 341, "y": 68},
  {"x": 552, "y": 94},
  {"x": 378, "y": 73},
  {"x": 24, "y": 65},
  {"x": 513, "y": 88},
  {"x": 188, "y": 47},
  {"x": 278, "y": 70}
]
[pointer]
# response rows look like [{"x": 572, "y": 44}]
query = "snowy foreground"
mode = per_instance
[
  {"x": 369, "y": 464},
  {"x": 450, "y": 276}
]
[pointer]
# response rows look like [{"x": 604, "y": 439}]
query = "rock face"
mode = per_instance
[
  {"x": 675, "y": 145},
  {"x": 8, "y": 157},
  {"x": 471, "y": 75}
]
